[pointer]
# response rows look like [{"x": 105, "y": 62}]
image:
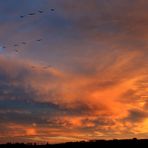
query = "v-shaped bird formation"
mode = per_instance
[
  {"x": 15, "y": 46},
  {"x": 36, "y": 13},
  {"x": 25, "y": 42}
]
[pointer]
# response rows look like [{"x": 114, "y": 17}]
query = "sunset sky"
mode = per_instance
[{"x": 73, "y": 70}]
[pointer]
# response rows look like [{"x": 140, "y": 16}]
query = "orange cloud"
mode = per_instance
[
  {"x": 30, "y": 132},
  {"x": 96, "y": 102}
]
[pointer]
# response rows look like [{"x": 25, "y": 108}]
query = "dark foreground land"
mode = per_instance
[{"x": 94, "y": 143}]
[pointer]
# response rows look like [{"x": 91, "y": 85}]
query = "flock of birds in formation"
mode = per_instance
[
  {"x": 24, "y": 42},
  {"x": 22, "y": 16},
  {"x": 21, "y": 43}
]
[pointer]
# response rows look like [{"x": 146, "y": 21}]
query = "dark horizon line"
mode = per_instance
[{"x": 72, "y": 142}]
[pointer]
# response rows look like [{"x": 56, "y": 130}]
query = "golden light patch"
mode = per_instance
[
  {"x": 142, "y": 127},
  {"x": 31, "y": 131}
]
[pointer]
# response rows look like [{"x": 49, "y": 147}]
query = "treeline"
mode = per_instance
[{"x": 93, "y": 143}]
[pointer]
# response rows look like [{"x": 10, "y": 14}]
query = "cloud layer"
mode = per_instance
[{"x": 87, "y": 79}]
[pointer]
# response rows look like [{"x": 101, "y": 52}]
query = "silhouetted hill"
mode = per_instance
[{"x": 93, "y": 143}]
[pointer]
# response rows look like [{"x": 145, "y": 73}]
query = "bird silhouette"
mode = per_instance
[
  {"x": 4, "y": 47},
  {"x": 22, "y": 16},
  {"x": 16, "y": 50},
  {"x": 15, "y": 45},
  {"x": 24, "y": 43},
  {"x": 52, "y": 9},
  {"x": 39, "y": 40},
  {"x": 31, "y": 13},
  {"x": 40, "y": 11}
]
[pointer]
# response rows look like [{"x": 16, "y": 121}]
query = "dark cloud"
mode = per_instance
[
  {"x": 136, "y": 115},
  {"x": 130, "y": 97}
]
